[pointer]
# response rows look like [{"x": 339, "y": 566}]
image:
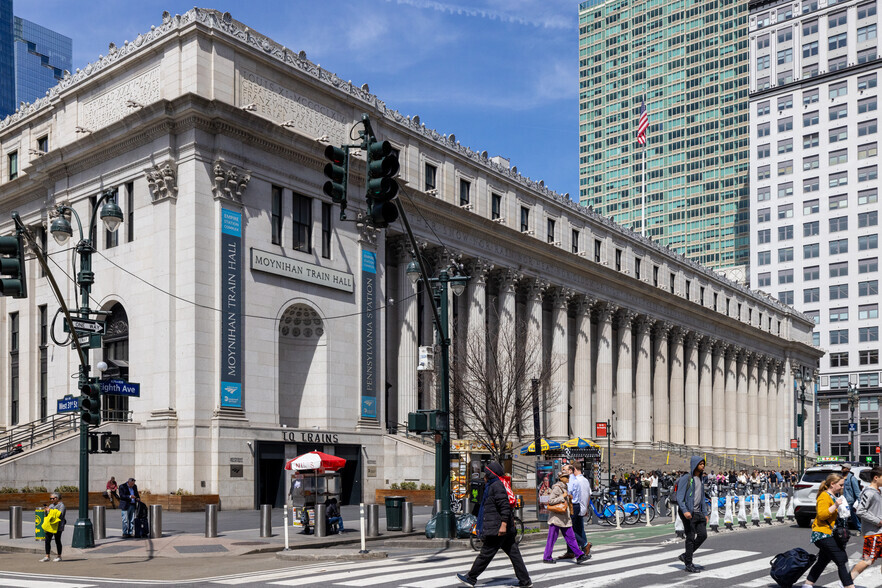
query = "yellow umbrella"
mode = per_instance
[
  {"x": 580, "y": 442},
  {"x": 544, "y": 445}
]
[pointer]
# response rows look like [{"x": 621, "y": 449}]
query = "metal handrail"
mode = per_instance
[{"x": 53, "y": 427}]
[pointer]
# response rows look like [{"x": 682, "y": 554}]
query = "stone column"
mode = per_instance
[
  {"x": 752, "y": 403},
  {"x": 772, "y": 406},
  {"x": 786, "y": 415},
  {"x": 719, "y": 394},
  {"x": 625, "y": 380},
  {"x": 582, "y": 424},
  {"x": 604, "y": 384},
  {"x": 643, "y": 385},
  {"x": 533, "y": 352},
  {"x": 705, "y": 395},
  {"x": 660, "y": 397},
  {"x": 559, "y": 399},
  {"x": 731, "y": 400},
  {"x": 691, "y": 392},
  {"x": 762, "y": 404},
  {"x": 677, "y": 391},
  {"x": 508, "y": 347},
  {"x": 408, "y": 353},
  {"x": 741, "y": 404}
]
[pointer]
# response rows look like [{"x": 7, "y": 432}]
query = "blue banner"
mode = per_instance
[
  {"x": 231, "y": 308},
  {"x": 369, "y": 372}
]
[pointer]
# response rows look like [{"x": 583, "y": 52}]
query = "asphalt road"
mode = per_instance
[{"x": 730, "y": 559}]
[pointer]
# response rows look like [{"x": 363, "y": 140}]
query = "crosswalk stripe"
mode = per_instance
[
  {"x": 729, "y": 572},
  {"x": 21, "y": 583}
]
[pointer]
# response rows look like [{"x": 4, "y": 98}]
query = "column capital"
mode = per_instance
[
  {"x": 662, "y": 328},
  {"x": 625, "y": 317},
  {"x": 763, "y": 361},
  {"x": 732, "y": 352},
  {"x": 398, "y": 247},
  {"x": 508, "y": 280},
  {"x": 584, "y": 304},
  {"x": 479, "y": 269},
  {"x": 605, "y": 311},
  {"x": 644, "y": 324},
  {"x": 706, "y": 342},
  {"x": 692, "y": 339},
  {"x": 535, "y": 287},
  {"x": 562, "y": 297},
  {"x": 678, "y": 334},
  {"x": 720, "y": 347}
]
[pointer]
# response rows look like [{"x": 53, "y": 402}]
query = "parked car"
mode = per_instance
[{"x": 805, "y": 494}]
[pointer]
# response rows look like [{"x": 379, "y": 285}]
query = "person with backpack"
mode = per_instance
[
  {"x": 851, "y": 491},
  {"x": 829, "y": 547},
  {"x": 869, "y": 510},
  {"x": 693, "y": 510},
  {"x": 496, "y": 528}
]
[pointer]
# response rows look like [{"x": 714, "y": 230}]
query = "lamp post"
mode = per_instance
[
  {"x": 61, "y": 230},
  {"x": 854, "y": 398},
  {"x": 457, "y": 283}
]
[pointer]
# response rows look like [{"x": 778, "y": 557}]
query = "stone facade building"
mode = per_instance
[{"x": 260, "y": 324}]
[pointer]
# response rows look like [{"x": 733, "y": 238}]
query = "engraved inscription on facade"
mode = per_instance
[
  {"x": 281, "y": 104},
  {"x": 111, "y": 106}
]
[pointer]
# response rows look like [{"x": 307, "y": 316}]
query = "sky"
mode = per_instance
[{"x": 500, "y": 75}]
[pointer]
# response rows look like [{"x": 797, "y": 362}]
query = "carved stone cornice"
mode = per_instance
[
  {"x": 162, "y": 179},
  {"x": 367, "y": 235},
  {"x": 230, "y": 182}
]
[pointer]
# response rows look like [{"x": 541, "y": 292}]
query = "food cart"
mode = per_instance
[{"x": 315, "y": 479}]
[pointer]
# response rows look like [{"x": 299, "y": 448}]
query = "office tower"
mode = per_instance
[
  {"x": 32, "y": 59},
  {"x": 814, "y": 192},
  {"x": 688, "y": 61}
]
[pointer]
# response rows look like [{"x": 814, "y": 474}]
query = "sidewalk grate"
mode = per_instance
[
  {"x": 116, "y": 548},
  {"x": 200, "y": 548},
  {"x": 251, "y": 543}
]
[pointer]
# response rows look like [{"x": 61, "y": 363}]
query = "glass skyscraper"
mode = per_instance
[
  {"x": 32, "y": 59},
  {"x": 689, "y": 61}
]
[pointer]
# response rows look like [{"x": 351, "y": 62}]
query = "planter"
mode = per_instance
[
  {"x": 34, "y": 500},
  {"x": 181, "y": 503},
  {"x": 417, "y": 497}
]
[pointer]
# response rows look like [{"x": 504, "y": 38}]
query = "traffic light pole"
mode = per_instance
[{"x": 801, "y": 430}]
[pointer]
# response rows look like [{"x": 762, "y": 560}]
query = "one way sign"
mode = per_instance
[{"x": 83, "y": 325}]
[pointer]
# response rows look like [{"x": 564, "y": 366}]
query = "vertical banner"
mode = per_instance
[
  {"x": 231, "y": 308},
  {"x": 368, "y": 335}
]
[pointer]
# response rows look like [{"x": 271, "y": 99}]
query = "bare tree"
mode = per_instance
[{"x": 492, "y": 388}]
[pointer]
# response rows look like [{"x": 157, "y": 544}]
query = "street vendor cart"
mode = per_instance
[{"x": 315, "y": 480}]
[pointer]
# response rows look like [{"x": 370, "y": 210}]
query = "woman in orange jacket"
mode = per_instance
[{"x": 829, "y": 499}]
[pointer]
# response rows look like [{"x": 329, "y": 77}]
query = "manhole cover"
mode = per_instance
[{"x": 251, "y": 543}]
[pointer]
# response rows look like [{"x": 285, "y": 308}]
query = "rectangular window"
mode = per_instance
[
  {"x": 838, "y": 134},
  {"x": 327, "y": 207},
  {"x": 811, "y": 250},
  {"x": 839, "y": 337},
  {"x": 302, "y": 223},
  {"x": 786, "y": 297},
  {"x": 810, "y": 28},
  {"x": 810, "y": 49},
  {"x": 277, "y": 215},
  {"x": 12, "y": 160},
  {"x": 525, "y": 219},
  {"x": 130, "y": 212},
  {"x": 464, "y": 189},
  {"x": 868, "y": 357},
  {"x": 866, "y": 151},
  {"x": 618, "y": 260},
  {"x": 785, "y": 276},
  {"x": 867, "y": 82},
  {"x": 637, "y": 267},
  {"x": 810, "y": 119},
  {"x": 549, "y": 224},
  {"x": 867, "y": 242},
  {"x": 866, "y": 55},
  {"x": 839, "y": 359},
  {"x": 763, "y": 130},
  {"x": 868, "y": 196},
  {"x": 495, "y": 206},
  {"x": 811, "y": 140},
  {"x": 838, "y": 89},
  {"x": 839, "y": 292},
  {"x": 673, "y": 280},
  {"x": 764, "y": 172},
  {"x": 868, "y": 334},
  {"x": 867, "y": 33},
  {"x": 763, "y": 41},
  {"x": 866, "y": 10},
  {"x": 763, "y": 257},
  {"x": 811, "y": 295},
  {"x": 837, "y": 63},
  {"x": 839, "y": 41},
  {"x": 839, "y": 156},
  {"x": 838, "y": 270},
  {"x": 868, "y": 311},
  {"x": 839, "y": 223},
  {"x": 597, "y": 246},
  {"x": 838, "y": 179},
  {"x": 655, "y": 276},
  {"x": 837, "y": 19},
  {"x": 839, "y": 111},
  {"x": 811, "y": 206},
  {"x": 764, "y": 193},
  {"x": 785, "y": 254},
  {"x": 575, "y": 241},
  {"x": 764, "y": 236},
  {"x": 13, "y": 367},
  {"x": 430, "y": 172},
  {"x": 763, "y": 108},
  {"x": 868, "y": 127},
  {"x": 688, "y": 289},
  {"x": 811, "y": 162},
  {"x": 763, "y": 62},
  {"x": 786, "y": 189},
  {"x": 866, "y": 381},
  {"x": 811, "y": 229},
  {"x": 868, "y": 219},
  {"x": 812, "y": 272},
  {"x": 763, "y": 151},
  {"x": 868, "y": 265},
  {"x": 763, "y": 280},
  {"x": 838, "y": 246},
  {"x": 785, "y": 233},
  {"x": 840, "y": 428},
  {"x": 785, "y": 211},
  {"x": 785, "y": 146},
  {"x": 867, "y": 105},
  {"x": 868, "y": 288},
  {"x": 867, "y": 174},
  {"x": 784, "y": 103},
  {"x": 869, "y": 427},
  {"x": 868, "y": 404},
  {"x": 763, "y": 215}
]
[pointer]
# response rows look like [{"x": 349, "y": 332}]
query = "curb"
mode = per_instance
[{"x": 326, "y": 555}]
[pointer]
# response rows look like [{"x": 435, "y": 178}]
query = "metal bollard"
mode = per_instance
[
  {"x": 155, "y": 521},
  {"x": 466, "y": 505},
  {"x": 266, "y": 520},
  {"x": 373, "y": 520},
  {"x": 633, "y": 494},
  {"x": 211, "y": 520},
  {"x": 99, "y": 522},
  {"x": 437, "y": 506},
  {"x": 407, "y": 514},
  {"x": 519, "y": 512},
  {"x": 321, "y": 520},
  {"x": 15, "y": 522}
]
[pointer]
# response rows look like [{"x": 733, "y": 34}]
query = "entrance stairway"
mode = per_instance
[{"x": 38, "y": 433}]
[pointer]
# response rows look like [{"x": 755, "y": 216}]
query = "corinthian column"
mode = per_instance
[
  {"x": 408, "y": 353},
  {"x": 604, "y": 362},
  {"x": 691, "y": 393},
  {"x": 786, "y": 423},
  {"x": 752, "y": 399},
  {"x": 772, "y": 405},
  {"x": 560, "y": 358},
  {"x": 625, "y": 380},
  {"x": 705, "y": 396},
  {"x": 660, "y": 397},
  {"x": 719, "y": 394},
  {"x": 678, "y": 394},
  {"x": 643, "y": 402},
  {"x": 731, "y": 400},
  {"x": 582, "y": 425},
  {"x": 508, "y": 346},
  {"x": 533, "y": 352},
  {"x": 762, "y": 403},
  {"x": 741, "y": 406}
]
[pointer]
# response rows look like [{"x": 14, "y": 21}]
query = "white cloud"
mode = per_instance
[{"x": 552, "y": 15}]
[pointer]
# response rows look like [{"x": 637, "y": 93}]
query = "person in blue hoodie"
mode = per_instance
[{"x": 693, "y": 510}]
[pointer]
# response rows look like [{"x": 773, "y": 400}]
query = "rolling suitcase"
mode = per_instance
[
  {"x": 142, "y": 524},
  {"x": 788, "y": 567}
]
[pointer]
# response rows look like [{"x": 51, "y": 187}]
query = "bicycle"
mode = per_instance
[
  {"x": 607, "y": 513},
  {"x": 477, "y": 543}
]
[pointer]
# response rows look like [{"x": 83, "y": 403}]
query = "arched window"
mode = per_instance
[
  {"x": 303, "y": 368},
  {"x": 116, "y": 355}
]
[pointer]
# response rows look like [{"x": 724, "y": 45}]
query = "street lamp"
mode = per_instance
[
  {"x": 854, "y": 397},
  {"x": 62, "y": 231},
  {"x": 446, "y": 277},
  {"x": 804, "y": 377}
]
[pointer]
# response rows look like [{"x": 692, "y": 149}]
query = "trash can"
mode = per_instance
[
  {"x": 39, "y": 533},
  {"x": 394, "y": 508}
]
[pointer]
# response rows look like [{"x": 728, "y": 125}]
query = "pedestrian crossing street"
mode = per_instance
[{"x": 647, "y": 566}]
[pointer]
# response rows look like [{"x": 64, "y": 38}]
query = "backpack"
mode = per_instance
[
  {"x": 512, "y": 499},
  {"x": 789, "y": 566}
]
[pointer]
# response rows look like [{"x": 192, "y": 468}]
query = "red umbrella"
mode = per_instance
[{"x": 316, "y": 460}]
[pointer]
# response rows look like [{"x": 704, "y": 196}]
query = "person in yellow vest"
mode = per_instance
[{"x": 53, "y": 524}]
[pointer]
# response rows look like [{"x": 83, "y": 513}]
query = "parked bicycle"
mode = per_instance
[{"x": 606, "y": 513}]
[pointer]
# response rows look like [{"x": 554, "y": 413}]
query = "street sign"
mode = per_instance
[
  {"x": 600, "y": 429},
  {"x": 89, "y": 341},
  {"x": 84, "y": 325},
  {"x": 120, "y": 388},
  {"x": 852, "y": 427},
  {"x": 68, "y": 404},
  {"x": 794, "y": 444},
  {"x": 877, "y": 449}
]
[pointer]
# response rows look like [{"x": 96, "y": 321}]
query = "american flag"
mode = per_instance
[{"x": 643, "y": 124}]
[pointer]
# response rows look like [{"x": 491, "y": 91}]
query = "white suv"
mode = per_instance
[{"x": 806, "y": 491}]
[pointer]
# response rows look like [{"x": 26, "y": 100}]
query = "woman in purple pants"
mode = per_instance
[{"x": 560, "y": 522}]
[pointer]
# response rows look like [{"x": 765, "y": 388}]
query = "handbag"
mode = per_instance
[
  {"x": 560, "y": 507},
  {"x": 841, "y": 533},
  {"x": 51, "y": 521}
]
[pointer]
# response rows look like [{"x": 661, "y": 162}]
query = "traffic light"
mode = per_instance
[
  {"x": 12, "y": 264},
  {"x": 382, "y": 164},
  {"x": 90, "y": 404},
  {"x": 337, "y": 172}
]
